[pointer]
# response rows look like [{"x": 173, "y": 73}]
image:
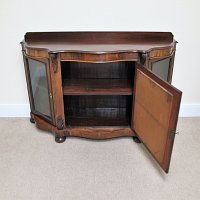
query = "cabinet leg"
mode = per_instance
[
  {"x": 60, "y": 139},
  {"x": 136, "y": 139}
]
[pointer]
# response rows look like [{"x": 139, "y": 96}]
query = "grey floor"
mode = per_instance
[{"x": 33, "y": 166}]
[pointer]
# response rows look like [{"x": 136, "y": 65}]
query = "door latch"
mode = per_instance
[{"x": 173, "y": 133}]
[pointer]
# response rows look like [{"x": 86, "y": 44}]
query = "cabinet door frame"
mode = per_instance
[
  {"x": 50, "y": 94},
  {"x": 57, "y": 89},
  {"x": 171, "y": 65},
  {"x": 169, "y": 94}
]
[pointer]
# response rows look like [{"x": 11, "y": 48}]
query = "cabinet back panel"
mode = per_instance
[
  {"x": 112, "y": 70},
  {"x": 98, "y": 110},
  {"x": 97, "y": 101}
]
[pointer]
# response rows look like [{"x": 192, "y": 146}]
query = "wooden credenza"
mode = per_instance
[{"x": 103, "y": 85}]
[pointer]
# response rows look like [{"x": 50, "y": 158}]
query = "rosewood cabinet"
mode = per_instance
[{"x": 103, "y": 85}]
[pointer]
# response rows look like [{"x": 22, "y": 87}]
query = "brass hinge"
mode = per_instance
[
  {"x": 54, "y": 61},
  {"x": 173, "y": 133}
]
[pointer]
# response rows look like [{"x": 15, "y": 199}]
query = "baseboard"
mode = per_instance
[
  {"x": 14, "y": 110},
  {"x": 23, "y": 110},
  {"x": 189, "y": 110}
]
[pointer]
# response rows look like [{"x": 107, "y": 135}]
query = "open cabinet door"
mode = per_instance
[{"x": 155, "y": 114}]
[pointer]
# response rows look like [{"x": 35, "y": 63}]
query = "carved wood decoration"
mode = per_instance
[
  {"x": 60, "y": 123},
  {"x": 95, "y": 89},
  {"x": 54, "y": 61}
]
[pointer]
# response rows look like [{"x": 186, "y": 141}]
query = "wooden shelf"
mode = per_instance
[{"x": 97, "y": 87}]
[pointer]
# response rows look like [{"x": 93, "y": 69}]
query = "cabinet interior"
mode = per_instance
[{"x": 98, "y": 94}]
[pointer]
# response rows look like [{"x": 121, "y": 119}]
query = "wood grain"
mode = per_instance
[
  {"x": 98, "y": 43},
  {"x": 86, "y": 132},
  {"x": 97, "y": 87},
  {"x": 57, "y": 91},
  {"x": 155, "y": 114},
  {"x": 44, "y": 125},
  {"x": 100, "y": 56},
  {"x": 100, "y": 132}
]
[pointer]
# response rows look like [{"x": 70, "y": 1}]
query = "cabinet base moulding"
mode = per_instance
[{"x": 85, "y": 132}]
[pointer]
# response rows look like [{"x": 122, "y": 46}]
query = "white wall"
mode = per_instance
[{"x": 181, "y": 17}]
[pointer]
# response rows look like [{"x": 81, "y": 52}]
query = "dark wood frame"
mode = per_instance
[
  {"x": 143, "y": 48},
  {"x": 45, "y": 61},
  {"x": 171, "y": 64},
  {"x": 57, "y": 91}
]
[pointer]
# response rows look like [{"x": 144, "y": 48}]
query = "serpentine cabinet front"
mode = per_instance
[{"x": 106, "y": 94}]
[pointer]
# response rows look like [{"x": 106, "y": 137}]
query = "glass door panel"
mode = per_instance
[
  {"x": 39, "y": 88},
  {"x": 161, "y": 68}
]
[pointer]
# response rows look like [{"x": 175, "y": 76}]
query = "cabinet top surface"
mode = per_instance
[{"x": 98, "y": 42}]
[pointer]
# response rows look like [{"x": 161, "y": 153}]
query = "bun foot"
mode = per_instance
[
  {"x": 32, "y": 120},
  {"x": 60, "y": 139},
  {"x": 136, "y": 139}
]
